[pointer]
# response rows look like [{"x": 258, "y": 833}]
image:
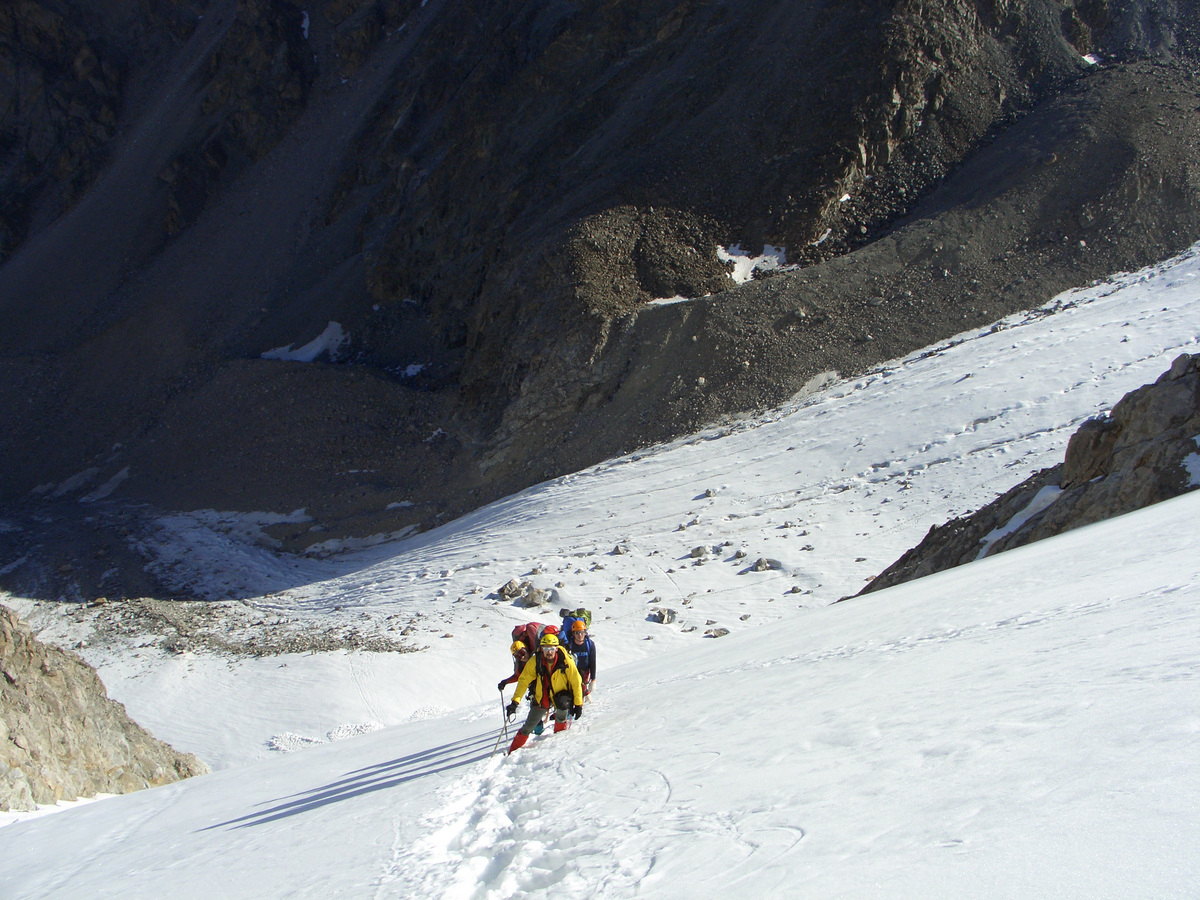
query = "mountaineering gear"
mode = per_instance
[
  {"x": 537, "y": 714},
  {"x": 578, "y": 625},
  {"x": 560, "y": 726},
  {"x": 576, "y": 712},
  {"x": 568, "y": 624},
  {"x": 518, "y": 741},
  {"x": 583, "y": 648},
  {"x": 528, "y": 634},
  {"x": 580, "y": 613},
  {"x": 554, "y": 680},
  {"x": 511, "y": 709},
  {"x": 503, "y": 735},
  {"x": 520, "y": 654},
  {"x": 550, "y": 672},
  {"x": 500, "y": 686}
]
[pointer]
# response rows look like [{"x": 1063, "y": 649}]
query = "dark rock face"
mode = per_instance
[
  {"x": 256, "y": 83},
  {"x": 61, "y": 738},
  {"x": 1138, "y": 455},
  {"x": 64, "y": 77},
  {"x": 487, "y": 196}
]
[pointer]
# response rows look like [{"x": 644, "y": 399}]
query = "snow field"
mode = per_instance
[{"x": 1024, "y": 726}]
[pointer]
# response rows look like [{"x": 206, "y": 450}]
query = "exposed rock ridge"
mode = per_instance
[
  {"x": 1145, "y": 451},
  {"x": 61, "y": 738}
]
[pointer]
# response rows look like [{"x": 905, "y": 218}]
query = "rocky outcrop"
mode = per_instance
[
  {"x": 1145, "y": 451},
  {"x": 61, "y": 738}
]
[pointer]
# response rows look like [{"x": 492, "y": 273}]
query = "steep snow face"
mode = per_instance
[{"x": 1022, "y": 722}]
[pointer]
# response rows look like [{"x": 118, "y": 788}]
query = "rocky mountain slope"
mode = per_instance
[
  {"x": 1145, "y": 451},
  {"x": 486, "y": 198},
  {"x": 61, "y": 738}
]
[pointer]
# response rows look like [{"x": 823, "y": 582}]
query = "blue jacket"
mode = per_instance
[{"x": 585, "y": 657}]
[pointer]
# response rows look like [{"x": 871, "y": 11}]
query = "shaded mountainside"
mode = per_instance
[
  {"x": 61, "y": 738},
  {"x": 1145, "y": 451},
  {"x": 66, "y": 71},
  {"x": 485, "y": 198}
]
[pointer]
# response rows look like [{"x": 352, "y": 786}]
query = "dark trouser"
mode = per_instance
[{"x": 562, "y": 707}]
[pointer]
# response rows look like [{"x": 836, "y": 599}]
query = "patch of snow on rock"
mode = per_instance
[
  {"x": 1191, "y": 463},
  {"x": 745, "y": 265},
  {"x": 1041, "y": 500},
  {"x": 329, "y": 341}
]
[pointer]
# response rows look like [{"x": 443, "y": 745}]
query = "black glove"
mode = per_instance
[
  {"x": 511, "y": 709},
  {"x": 500, "y": 686},
  {"x": 576, "y": 711}
]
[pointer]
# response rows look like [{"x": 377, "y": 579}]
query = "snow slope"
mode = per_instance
[{"x": 1024, "y": 726}]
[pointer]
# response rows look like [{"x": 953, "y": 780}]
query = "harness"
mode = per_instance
[{"x": 544, "y": 673}]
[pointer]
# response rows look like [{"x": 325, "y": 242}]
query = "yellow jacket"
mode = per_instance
[{"x": 561, "y": 676}]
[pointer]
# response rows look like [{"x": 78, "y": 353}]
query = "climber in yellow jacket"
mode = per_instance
[{"x": 556, "y": 680}]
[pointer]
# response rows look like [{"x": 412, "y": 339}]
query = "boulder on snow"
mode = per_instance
[
  {"x": 1147, "y": 449},
  {"x": 524, "y": 594}
]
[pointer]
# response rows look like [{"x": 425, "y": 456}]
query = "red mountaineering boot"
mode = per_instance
[{"x": 518, "y": 742}]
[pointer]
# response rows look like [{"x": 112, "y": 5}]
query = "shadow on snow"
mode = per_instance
[{"x": 371, "y": 779}]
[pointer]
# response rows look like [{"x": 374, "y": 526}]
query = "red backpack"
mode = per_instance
[{"x": 528, "y": 634}]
